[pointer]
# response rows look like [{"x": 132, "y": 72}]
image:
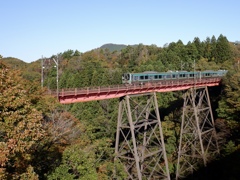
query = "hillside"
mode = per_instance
[
  {"x": 51, "y": 141},
  {"x": 14, "y": 63}
]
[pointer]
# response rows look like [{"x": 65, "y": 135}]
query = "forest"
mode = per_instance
[{"x": 43, "y": 139}]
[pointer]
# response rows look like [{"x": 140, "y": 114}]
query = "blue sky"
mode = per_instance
[{"x": 32, "y": 29}]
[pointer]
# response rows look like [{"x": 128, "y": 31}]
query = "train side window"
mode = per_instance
[
  {"x": 173, "y": 76},
  {"x": 182, "y": 75},
  {"x": 146, "y": 77},
  {"x": 160, "y": 76},
  {"x": 141, "y": 77},
  {"x": 155, "y": 76},
  {"x": 135, "y": 78}
]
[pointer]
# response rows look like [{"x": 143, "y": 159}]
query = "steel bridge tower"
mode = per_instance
[
  {"x": 198, "y": 142},
  {"x": 139, "y": 138}
]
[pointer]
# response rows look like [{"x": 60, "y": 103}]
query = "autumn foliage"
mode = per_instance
[
  {"x": 41, "y": 139},
  {"x": 20, "y": 125}
]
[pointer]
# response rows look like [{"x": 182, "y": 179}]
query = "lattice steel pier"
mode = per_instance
[
  {"x": 198, "y": 142},
  {"x": 139, "y": 139}
]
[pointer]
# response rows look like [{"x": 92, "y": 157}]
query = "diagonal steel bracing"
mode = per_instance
[
  {"x": 139, "y": 138},
  {"x": 198, "y": 142}
]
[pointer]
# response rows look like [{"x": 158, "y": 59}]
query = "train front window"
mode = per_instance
[{"x": 127, "y": 76}]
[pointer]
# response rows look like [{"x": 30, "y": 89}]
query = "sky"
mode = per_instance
[{"x": 32, "y": 29}]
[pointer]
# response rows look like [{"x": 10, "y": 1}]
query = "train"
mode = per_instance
[{"x": 153, "y": 76}]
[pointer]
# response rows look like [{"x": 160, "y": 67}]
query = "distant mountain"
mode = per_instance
[{"x": 113, "y": 47}]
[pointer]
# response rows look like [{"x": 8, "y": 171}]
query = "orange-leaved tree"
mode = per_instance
[{"x": 20, "y": 125}]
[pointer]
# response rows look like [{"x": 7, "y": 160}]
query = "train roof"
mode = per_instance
[
  {"x": 174, "y": 72},
  {"x": 149, "y": 72}
]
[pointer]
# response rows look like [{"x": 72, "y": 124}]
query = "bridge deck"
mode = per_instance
[{"x": 67, "y": 96}]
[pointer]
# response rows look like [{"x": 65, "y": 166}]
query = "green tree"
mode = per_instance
[
  {"x": 192, "y": 51},
  {"x": 77, "y": 163},
  {"x": 190, "y": 56},
  {"x": 86, "y": 161},
  {"x": 67, "y": 54},
  {"x": 223, "y": 50},
  {"x": 214, "y": 49},
  {"x": 229, "y": 106},
  {"x": 77, "y": 53},
  {"x": 207, "y": 49},
  {"x": 203, "y": 64},
  {"x": 200, "y": 47}
]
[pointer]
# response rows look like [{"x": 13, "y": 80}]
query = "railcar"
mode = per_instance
[{"x": 153, "y": 76}]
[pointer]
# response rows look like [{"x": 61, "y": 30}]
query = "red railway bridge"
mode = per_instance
[
  {"x": 67, "y": 96},
  {"x": 140, "y": 143}
]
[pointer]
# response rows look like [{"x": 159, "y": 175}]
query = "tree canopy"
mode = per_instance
[{"x": 41, "y": 139}]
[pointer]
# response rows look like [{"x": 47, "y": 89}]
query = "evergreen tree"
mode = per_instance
[
  {"x": 192, "y": 56},
  {"x": 76, "y": 53},
  {"x": 207, "y": 49},
  {"x": 214, "y": 49},
  {"x": 199, "y": 46},
  {"x": 229, "y": 106},
  {"x": 223, "y": 50}
]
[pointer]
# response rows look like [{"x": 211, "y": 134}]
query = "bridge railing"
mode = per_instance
[{"x": 122, "y": 87}]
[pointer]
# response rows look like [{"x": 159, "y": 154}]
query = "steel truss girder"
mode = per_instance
[
  {"x": 139, "y": 138},
  {"x": 198, "y": 141}
]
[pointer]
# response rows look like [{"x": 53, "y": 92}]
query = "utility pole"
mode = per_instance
[
  {"x": 42, "y": 67},
  {"x": 182, "y": 65},
  {"x": 194, "y": 65},
  {"x": 42, "y": 72},
  {"x": 56, "y": 62},
  {"x": 43, "y": 62}
]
